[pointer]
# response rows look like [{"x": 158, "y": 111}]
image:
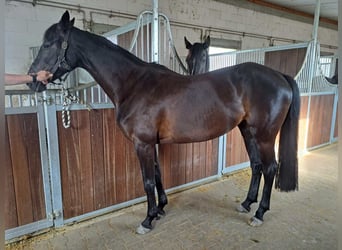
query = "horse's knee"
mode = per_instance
[{"x": 149, "y": 186}]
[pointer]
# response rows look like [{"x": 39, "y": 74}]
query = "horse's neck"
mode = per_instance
[{"x": 108, "y": 65}]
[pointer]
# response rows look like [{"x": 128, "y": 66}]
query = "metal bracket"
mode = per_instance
[
  {"x": 45, "y": 99},
  {"x": 54, "y": 215}
]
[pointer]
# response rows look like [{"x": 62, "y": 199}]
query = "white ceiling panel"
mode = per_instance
[{"x": 329, "y": 8}]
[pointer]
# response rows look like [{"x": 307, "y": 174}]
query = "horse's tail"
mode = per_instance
[{"x": 287, "y": 175}]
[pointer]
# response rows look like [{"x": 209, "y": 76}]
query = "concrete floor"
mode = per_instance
[{"x": 205, "y": 217}]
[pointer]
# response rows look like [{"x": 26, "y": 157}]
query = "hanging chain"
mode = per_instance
[{"x": 68, "y": 99}]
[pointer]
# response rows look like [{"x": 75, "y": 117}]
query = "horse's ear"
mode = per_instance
[
  {"x": 207, "y": 42},
  {"x": 72, "y": 22},
  {"x": 188, "y": 45},
  {"x": 65, "y": 18},
  {"x": 65, "y": 22}
]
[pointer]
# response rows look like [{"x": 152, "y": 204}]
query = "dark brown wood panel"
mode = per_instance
[
  {"x": 236, "y": 152},
  {"x": 99, "y": 167},
  {"x": 321, "y": 109},
  {"x": 96, "y": 128},
  {"x": 98, "y": 164},
  {"x": 184, "y": 163},
  {"x": 11, "y": 218},
  {"x": 142, "y": 49},
  {"x": 24, "y": 186},
  {"x": 286, "y": 61},
  {"x": 70, "y": 167},
  {"x": 302, "y": 123}
]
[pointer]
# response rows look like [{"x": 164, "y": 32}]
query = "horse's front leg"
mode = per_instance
[
  {"x": 162, "y": 198},
  {"x": 145, "y": 154}
]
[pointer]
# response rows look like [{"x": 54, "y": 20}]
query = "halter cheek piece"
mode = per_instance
[{"x": 61, "y": 60}]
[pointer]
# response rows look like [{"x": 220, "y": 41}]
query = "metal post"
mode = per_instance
[
  {"x": 155, "y": 33},
  {"x": 54, "y": 162},
  {"x": 313, "y": 65}
]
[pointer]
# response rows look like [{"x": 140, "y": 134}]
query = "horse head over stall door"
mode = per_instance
[
  {"x": 155, "y": 105},
  {"x": 198, "y": 56}
]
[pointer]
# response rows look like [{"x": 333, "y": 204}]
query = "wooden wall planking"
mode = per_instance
[
  {"x": 286, "y": 61},
  {"x": 24, "y": 185},
  {"x": 302, "y": 123},
  {"x": 320, "y": 120},
  {"x": 99, "y": 167},
  {"x": 236, "y": 152}
]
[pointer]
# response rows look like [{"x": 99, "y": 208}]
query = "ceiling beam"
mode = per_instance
[{"x": 292, "y": 11}]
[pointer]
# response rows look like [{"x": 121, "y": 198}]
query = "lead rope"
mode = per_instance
[{"x": 68, "y": 99}]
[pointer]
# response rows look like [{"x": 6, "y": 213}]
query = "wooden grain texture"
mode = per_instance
[
  {"x": 24, "y": 186},
  {"x": 236, "y": 152},
  {"x": 10, "y": 206},
  {"x": 302, "y": 123},
  {"x": 321, "y": 109},
  {"x": 286, "y": 61},
  {"x": 96, "y": 135}
]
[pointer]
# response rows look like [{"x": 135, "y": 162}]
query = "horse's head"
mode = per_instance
[
  {"x": 198, "y": 57},
  {"x": 52, "y": 55}
]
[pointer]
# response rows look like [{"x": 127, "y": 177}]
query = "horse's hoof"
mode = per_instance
[
  {"x": 142, "y": 230},
  {"x": 161, "y": 213},
  {"x": 241, "y": 209},
  {"x": 255, "y": 222}
]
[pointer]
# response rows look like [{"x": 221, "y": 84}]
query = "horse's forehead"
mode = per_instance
[
  {"x": 197, "y": 48},
  {"x": 51, "y": 33}
]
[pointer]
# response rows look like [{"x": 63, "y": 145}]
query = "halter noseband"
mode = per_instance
[{"x": 61, "y": 60}]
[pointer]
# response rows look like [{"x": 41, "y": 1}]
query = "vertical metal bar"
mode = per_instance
[
  {"x": 54, "y": 162},
  {"x": 92, "y": 94},
  {"x": 148, "y": 40},
  {"x": 334, "y": 116},
  {"x": 44, "y": 158},
  {"x": 221, "y": 154},
  {"x": 142, "y": 41},
  {"x": 313, "y": 63},
  {"x": 99, "y": 94},
  {"x": 155, "y": 33}
]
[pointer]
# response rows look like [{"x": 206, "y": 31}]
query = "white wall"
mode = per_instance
[{"x": 25, "y": 24}]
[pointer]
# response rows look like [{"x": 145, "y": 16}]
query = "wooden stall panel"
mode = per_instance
[
  {"x": 321, "y": 109},
  {"x": 236, "y": 152},
  {"x": 98, "y": 164},
  {"x": 286, "y": 61},
  {"x": 184, "y": 163},
  {"x": 24, "y": 202},
  {"x": 99, "y": 167},
  {"x": 302, "y": 123}
]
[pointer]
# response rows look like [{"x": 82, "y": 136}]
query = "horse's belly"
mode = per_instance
[{"x": 198, "y": 128}]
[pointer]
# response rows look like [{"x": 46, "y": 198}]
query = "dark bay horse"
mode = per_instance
[
  {"x": 155, "y": 105},
  {"x": 198, "y": 56}
]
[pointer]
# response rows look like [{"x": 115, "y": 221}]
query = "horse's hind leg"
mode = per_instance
[
  {"x": 256, "y": 166},
  {"x": 269, "y": 170},
  {"x": 162, "y": 199}
]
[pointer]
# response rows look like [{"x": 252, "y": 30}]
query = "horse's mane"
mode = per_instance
[
  {"x": 50, "y": 34},
  {"x": 112, "y": 46}
]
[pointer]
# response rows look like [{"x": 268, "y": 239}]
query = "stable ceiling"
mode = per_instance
[
  {"x": 302, "y": 10},
  {"x": 329, "y": 8}
]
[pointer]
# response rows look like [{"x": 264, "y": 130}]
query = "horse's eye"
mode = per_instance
[{"x": 46, "y": 45}]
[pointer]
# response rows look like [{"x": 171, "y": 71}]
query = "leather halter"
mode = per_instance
[{"x": 61, "y": 60}]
